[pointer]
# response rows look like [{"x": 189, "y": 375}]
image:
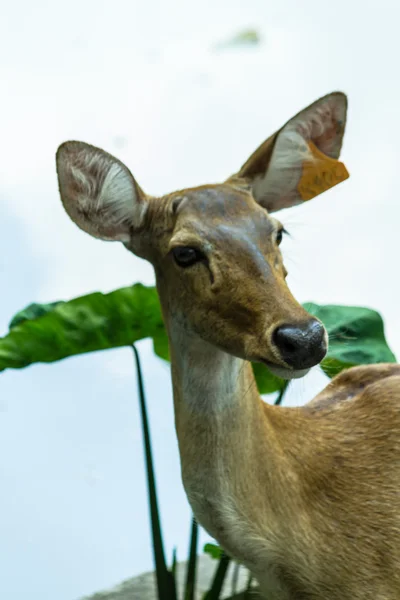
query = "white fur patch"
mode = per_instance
[
  {"x": 209, "y": 378},
  {"x": 284, "y": 172}
]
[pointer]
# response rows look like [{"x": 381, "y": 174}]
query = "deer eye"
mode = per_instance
[
  {"x": 186, "y": 257},
  {"x": 279, "y": 235}
]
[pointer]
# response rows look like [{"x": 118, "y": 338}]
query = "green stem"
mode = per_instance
[
  {"x": 219, "y": 578},
  {"x": 248, "y": 586},
  {"x": 235, "y": 578},
  {"x": 165, "y": 580},
  {"x": 281, "y": 393},
  {"x": 192, "y": 563}
]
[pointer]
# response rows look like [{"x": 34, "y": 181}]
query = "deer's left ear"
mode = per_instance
[{"x": 300, "y": 161}]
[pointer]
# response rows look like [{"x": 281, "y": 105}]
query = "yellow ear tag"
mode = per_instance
[{"x": 320, "y": 174}]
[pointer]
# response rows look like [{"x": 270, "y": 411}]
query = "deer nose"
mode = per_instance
[{"x": 301, "y": 346}]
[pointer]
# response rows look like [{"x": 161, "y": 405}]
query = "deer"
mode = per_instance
[{"x": 306, "y": 497}]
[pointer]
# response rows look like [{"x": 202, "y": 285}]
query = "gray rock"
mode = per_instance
[{"x": 143, "y": 587}]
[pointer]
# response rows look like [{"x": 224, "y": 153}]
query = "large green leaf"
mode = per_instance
[
  {"x": 50, "y": 332},
  {"x": 356, "y": 336}
]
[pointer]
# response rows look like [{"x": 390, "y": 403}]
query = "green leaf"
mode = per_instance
[
  {"x": 356, "y": 336},
  {"x": 267, "y": 383},
  {"x": 213, "y": 550},
  {"x": 33, "y": 311},
  {"x": 245, "y": 38},
  {"x": 50, "y": 332}
]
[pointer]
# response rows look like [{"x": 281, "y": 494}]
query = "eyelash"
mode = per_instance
[{"x": 280, "y": 234}]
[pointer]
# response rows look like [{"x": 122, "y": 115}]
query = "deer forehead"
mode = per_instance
[
  {"x": 218, "y": 201},
  {"x": 218, "y": 215}
]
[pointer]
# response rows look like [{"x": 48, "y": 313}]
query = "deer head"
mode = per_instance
[{"x": 215, "y": 248}]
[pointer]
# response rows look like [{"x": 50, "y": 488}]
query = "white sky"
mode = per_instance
[{"x": 140, "y": 80}]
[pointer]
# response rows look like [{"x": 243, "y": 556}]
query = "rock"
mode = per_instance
[{"x": 143, "y": 587}]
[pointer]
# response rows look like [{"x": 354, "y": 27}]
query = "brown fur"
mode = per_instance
[
  {"x": 308, "y": 498},
  {"x": 316, "y": 489}
]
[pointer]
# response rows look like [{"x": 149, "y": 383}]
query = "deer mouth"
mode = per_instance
[{"x": 284, "y": 372}]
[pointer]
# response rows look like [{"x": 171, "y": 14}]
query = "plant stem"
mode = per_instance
[
  {"x": 192, "y": 563},
  {"x": 281, "y": 393},
  {"x": 219, "y": 578},
  {"x": 235, "y": 578},
  {"x": 165, "y": 581}
]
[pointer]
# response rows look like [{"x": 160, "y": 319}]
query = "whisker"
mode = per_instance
[{"x": 252, "y": 383}]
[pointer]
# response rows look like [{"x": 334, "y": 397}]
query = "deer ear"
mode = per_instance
[
  {"x": 98, "y": 192},
  {"x": 300, "y": 161}
]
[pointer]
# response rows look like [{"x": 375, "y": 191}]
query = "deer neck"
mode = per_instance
[{"x": 226, "y": 441}]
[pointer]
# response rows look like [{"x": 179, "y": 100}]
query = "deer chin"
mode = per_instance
[{"x": 285, "y": 373}]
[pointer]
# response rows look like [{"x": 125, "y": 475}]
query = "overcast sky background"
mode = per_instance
[{"x": 142, "y": 80}]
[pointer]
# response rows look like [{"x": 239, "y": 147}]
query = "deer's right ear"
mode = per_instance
[{"x": 98, "y": 192}]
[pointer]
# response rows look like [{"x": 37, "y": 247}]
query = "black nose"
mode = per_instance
[{"x": 301, "y": 346}]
